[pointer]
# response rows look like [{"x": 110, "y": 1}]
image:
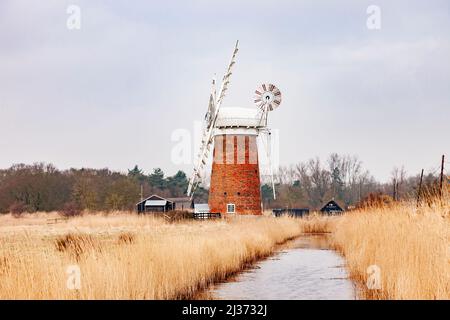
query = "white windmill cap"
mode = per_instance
[{"x": 238, "y": 117}]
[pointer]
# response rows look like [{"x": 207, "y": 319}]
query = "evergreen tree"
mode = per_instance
[
  {"x": 136, "y": 173},
  {"x": 177, "y": 184},
  {"x": 337, "y": 184},
  {"x": 156, "y": 179},
  {"x": 266, "y": 194}
]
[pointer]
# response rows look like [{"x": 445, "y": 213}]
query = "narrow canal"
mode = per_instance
[{"x": 304, "y": 269}]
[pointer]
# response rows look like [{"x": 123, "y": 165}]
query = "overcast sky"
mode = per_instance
[{"x": 112, "y": 93}]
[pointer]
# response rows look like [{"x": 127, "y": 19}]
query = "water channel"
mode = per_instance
[{"x": 305, "y": 268}]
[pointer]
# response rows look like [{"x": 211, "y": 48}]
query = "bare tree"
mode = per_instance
[
  {"x": 398, "y": 176},
  {"x": 315, "y": 181}
]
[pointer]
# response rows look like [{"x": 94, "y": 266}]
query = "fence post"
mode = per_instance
[{"x": 420, "y": 188}]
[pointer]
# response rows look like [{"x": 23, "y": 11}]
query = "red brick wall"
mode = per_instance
[{"x": 235, "y": 175}]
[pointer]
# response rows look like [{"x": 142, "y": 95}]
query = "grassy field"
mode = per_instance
[
  {"x": 409, "y": 246},
  {"x": 125, "y": 256}
]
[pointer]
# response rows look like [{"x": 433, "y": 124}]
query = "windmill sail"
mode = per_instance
[
  {"x": 212, "y": 104},
  {"x": 210, "y": 118}
]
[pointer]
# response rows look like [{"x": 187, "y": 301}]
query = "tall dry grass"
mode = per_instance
[
  {"x": 410, "y": 245},
  {"x": 123, "y": 256}
]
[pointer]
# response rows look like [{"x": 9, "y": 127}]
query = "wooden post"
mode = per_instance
[
  {"x": 420, "y": 188},
  {"x": 360, "y": 191},
  {"x": 394, "y": 193},
  {"x": 441, "y": 182}
]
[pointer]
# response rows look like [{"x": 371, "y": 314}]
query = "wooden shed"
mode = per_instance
[
  {"x": 291, "y": 212},
  {"x": 332, "y": 207},
  {"x": 155, "y": 203},
  {"x": 182, "y": 204}
]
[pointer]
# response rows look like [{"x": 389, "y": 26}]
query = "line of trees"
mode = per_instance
[
  {"x": 42, "y": 187},
  {"x": 341, "y": 177}
]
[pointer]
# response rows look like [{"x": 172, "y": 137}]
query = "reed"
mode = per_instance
[
  {"x": 409, "y": 245},
  {"x": 125, "y": 256}
]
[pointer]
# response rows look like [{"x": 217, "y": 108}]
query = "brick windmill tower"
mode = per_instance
[{"x": 235, "y": 177}]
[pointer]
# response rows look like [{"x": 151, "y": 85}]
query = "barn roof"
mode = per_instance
[
  {"x": 331, "y": 206},
  {"x": 154, "y": 197},
  {"x": 181, "y": 199},
  {"x": 155, "y": 203}
]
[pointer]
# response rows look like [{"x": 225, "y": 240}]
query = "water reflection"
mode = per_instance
[{"x": 304, "y": 269}]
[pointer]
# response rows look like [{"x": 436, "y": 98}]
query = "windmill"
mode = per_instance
[{"x": 235, "y": 178}]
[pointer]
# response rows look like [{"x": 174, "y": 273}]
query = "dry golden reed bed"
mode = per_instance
[
  {"x": 410, "y": 246},
  {"x": 125, "y": 256}
]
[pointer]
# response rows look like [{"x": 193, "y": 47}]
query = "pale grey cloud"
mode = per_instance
[{"x": 112, "y": 93}]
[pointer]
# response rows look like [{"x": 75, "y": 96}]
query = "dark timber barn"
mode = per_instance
[
  {"x": 182, "y": 204},
  {"x": 156, "y": 203},
  {"x": 293, "y": 212},
  {"x": 332, "y": 208}
]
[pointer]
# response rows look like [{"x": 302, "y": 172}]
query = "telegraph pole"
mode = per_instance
[
  {"x": 394, "y": 193},
  {"x": 420, "y": 188},
  {"x": 441, "y": 182},
  {"x": 397, "y": 191},
  {"x": 360, "y": 190}
]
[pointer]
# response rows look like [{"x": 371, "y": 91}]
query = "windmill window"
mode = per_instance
[{"x": 231, "y": 208}]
